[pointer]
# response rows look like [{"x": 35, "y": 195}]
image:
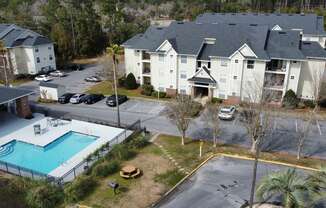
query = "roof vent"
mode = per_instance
[
  {"x": 232, "y": 24},
  {"x": 282, "y": 32},
  {"x": 253, "y": 24}
]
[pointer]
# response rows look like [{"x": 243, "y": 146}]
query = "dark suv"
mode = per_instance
[
  {"x": 93, "y": 98},
  {"x": 111, "y": 101},
  {"x": 63, "y": 99}
]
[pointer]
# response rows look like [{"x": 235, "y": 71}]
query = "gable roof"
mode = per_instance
[
  {"x": 8, "y": 94},
  {"x": 15, "y": 36},
  {"x": 209, "y": 80},
  {"x": 309, "y": 23}
]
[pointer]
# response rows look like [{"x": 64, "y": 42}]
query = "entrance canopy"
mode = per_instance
[{"x": 8, "y": 94}]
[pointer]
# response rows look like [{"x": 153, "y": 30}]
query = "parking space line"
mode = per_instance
[
  {"x": 234, "y": 121},
  {"x": 274, "y": 126},
  {"x": 296, "y": 125},
  {"x": 318, "y": 126}
]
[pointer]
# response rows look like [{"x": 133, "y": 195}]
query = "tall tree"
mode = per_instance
[{"x": 212, "y": 119}]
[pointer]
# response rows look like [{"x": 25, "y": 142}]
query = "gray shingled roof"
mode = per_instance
[
  {"x": 15, "y": 36},
  {"x": 189, "y": 38},
  {"x": 313, "y": 50},
  {"x": 309, "y": 23},
  {"x": 8, "y": 94},
  {"x": 49, "y": 84}
]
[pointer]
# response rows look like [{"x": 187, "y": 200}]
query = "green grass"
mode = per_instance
[{"x": 170, "y": 178}]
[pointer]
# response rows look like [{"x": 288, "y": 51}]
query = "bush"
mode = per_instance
[
  {"x": 130, "y": 82},
  {"x": 290, "y": 100},
  {"x": 79, "y": 188},
  {"x": 121, "y": 152},
  {"x": 309, "y": 103},
  {"x": 322, "y": 103},
  {"x": 139, "y": 142},
  {"x": 197, "y": 107},
  {"x": 44, "y": 196},
  {"x": 121, "y": 81},
  {"x": 161, "y": 94},
  {"x": 216, "y": 100},
  {"x": 106, "y": 168},
  {"x": 147, "y": 89}
]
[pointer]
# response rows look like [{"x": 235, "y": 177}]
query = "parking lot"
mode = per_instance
[{"x": 222, "y": 182}]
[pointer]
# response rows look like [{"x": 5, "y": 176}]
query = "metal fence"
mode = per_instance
[{"x": 128, "y": 132}]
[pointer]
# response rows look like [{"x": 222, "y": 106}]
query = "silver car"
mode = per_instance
[
  {"x": 227, "y": 113},
  {"x": 77, "y": 98}
]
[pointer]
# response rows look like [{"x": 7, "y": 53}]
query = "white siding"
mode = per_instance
[
  {"x": 132, "y": 62},
  {"x": 293, "y": 76}
]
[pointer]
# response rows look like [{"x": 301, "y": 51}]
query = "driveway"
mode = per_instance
[{"x": 222, "y": 182}]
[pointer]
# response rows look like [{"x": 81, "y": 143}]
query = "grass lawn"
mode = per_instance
[
  {"x": 105, "y": 87},
  {"x": 140, "y": 192},
  {"x": 188, "y": 155}
]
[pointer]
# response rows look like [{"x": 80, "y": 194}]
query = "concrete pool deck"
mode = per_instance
[{"x": 23, "y": 130}]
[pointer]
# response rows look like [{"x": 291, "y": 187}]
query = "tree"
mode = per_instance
[
  {"x": 290, "y": 99},
  {"x": 317, "y": 185},
  {"x": 180, "y": 112},
  {"x": 4, "y": 65},
  {"x": 130, "y": 82},
  {"x": 212, "y": 119},
  {"x": 291, "y": 186},
  {"x": 303, "y": 132},
  {"x": 44, "y": 196},
  {"x": 113, "y": 51}
]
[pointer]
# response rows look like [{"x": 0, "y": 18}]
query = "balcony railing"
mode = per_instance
[
  {"x": 146, "y": 71},
  {"x": 145, "y": 56},
  {"x": 270, "y": 69}
]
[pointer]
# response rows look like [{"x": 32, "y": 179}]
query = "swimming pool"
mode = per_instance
[{"x": 47, "y": 158}]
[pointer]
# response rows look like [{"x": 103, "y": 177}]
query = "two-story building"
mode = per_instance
[
  {"x": 225, "y": 60},
  {"x": 27, "y": 52}
]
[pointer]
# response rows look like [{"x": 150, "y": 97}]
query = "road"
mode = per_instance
[{"x": 153, "y": 117}]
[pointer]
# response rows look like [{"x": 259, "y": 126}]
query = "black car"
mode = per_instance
[
  {"x": 111, "y": 101},
  {"x": 93, "y": 98},
  {"x": 65, "y": 98}
]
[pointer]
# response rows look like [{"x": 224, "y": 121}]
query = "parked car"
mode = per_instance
[
  {"x": 227, "y": 113},
  {"x": 111, "y": 101},
  {"x": 57, "y": 73},
  {"x": 93, "y": 79},
  {"x": 43, "y": 78},
  {"x": 65, "y": 98},
  {"x": 77, "y": 98},
  {"x": 93, "y": 98}
]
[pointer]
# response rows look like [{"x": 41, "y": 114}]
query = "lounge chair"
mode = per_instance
[{"x": 37, "y": 129}]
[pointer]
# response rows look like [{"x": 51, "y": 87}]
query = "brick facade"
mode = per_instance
[{"x": 22, "y": 107}]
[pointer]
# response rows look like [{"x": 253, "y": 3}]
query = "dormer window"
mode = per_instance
[
  {"x": 198, "y": 64},
  {"x": 36, "y": 50},
  {"x": 209, "y": 65}
]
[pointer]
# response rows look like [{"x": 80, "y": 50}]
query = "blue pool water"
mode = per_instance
[{"x": 45, "y": 159}]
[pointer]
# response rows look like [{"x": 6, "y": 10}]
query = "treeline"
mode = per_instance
[{"x": 83, "y": 28}]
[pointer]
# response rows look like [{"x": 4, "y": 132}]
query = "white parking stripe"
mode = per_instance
[
  {"x": 317, "y": 123},
  {"x": 274, "y": 127},
  {"x": 296, "y": 126}
]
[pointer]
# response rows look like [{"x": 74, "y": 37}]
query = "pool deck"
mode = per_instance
[{"x": 23, "y": 130}]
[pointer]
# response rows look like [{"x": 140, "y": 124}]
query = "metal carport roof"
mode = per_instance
[{"x": 8, "y": 94}]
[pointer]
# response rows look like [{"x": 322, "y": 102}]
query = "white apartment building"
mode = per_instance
[
  {"x": 28, "y": 51},
  {"x": 226, "y": 60}
]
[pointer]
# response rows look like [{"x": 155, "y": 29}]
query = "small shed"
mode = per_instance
[{"x": 51, "y": 91}]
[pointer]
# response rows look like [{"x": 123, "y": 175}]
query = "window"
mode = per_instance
[
  {"x": 234, "y": 94},
  {"x": 292, "y": 77},
  {"x": 224, "y": 63},
  {"x": 250, "y": 64},
  {"x": 136, "y": 52},
  {"x": 184, "y": 59},
  {"x": 38, "y": 60},
  {"x": 236, "y": 61},
  {"x": 235, "y": 77},
  {"x": 50, "y": 57},
  {"x": 161, "y": 57},
  {"x": 49, "y": 47},
  {"x": 183, "y": 91},
  {"x": 209, "y": 65},
  {"x": 294, "y": 62},
  {"x": 199, "y": 64},
  {"x": 183, "y": 75},
  {"x": 36, "y": 50}
]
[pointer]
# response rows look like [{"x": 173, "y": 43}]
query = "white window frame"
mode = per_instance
[
  {"x": 183, "y": 75},
  {"x": 161, "y": 57},
  {"x": 183, "y": 59},
  {"x": 250, "y": 65},
  {"x": 224, "y": 62}
]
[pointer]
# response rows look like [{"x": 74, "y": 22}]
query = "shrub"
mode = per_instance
[
  {"x": 309, "y": 103},
  {"x": 147, "y": 89},
  {"x": 139, "y": 142},
  {"x": 121, "y": 81},
  {"x": 121, "y": 152},
  {"x": 44, "y": 196},
  {"x": 130, "y": 82},
  {"x": 197, "y": 107},
  {"x": 156, "y": 94},
  {"x": 106, "y": 168},
  {"x": 290, "y": 99},
  {"x": 322, "y": 103},
  {"x": 79, "y": 188},
  {"x": 216, "y": 100}
]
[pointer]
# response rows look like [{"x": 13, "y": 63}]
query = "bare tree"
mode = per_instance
[
  {"x": 303, "y": 131},
  {"x": 180, "y": 112},
  {"x": 213, "y": 121},
  {"x": 4, "y": 64}
]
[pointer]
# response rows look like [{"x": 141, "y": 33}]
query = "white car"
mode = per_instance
[
  {"x": 58, "y": 73},
  {"x": 43, "y": 78},
  {"x": 77, "y": 98},
  {"x": 227, "y": 113}
]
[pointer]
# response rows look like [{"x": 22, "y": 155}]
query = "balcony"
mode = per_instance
[
  {"x": 274, "y": 81},
  {"x": 145, "y": 56},
  {"x": 276, "y": 66},
  {"x": 146, "y": 69}
]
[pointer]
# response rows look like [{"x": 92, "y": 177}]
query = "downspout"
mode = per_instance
[{"x": 241, "y": 83}]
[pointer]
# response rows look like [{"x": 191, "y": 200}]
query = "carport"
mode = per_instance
[{"x": 15, "y": 101}]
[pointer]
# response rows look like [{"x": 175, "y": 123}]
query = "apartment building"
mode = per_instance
[
  {"x": 27, "y": 52},
  {"x": 226, "y": 60}
]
